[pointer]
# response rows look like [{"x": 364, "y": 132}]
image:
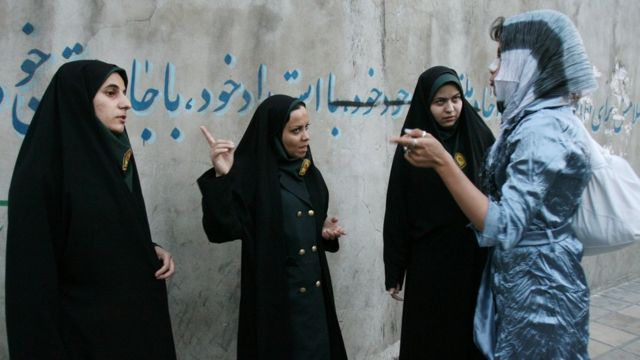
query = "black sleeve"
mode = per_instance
[
  {"x": 331, "y": 245},
  {"x": 395, "y": 235},
  {"x": 219, "y": 208}
]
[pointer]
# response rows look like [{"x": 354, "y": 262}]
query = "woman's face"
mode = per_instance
[
  {"x": 500, "y": 95},
  {"x": 494, "y": 67},
  {"x": 111, "y": 103},
  {"x": 295, "y": 135},
  {"x": 447, "y": 105}
]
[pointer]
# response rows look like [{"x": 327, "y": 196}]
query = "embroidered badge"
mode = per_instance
[
  {"x": 460, "y": 160},
  {"x": 305, "y": 166},
  {"x": 125, "y": 159}
]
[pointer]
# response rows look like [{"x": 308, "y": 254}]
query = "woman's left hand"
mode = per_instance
[
  {"x": 168, "y": 267},
  {"x": 422, "y": 149},
  {"x": 331, "y": 230}
]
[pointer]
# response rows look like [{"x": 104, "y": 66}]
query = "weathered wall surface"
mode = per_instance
[{"x": 195, "y": 63}]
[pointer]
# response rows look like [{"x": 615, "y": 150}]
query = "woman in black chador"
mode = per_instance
[
  {"x": 83, "y": 279},
  {"x": 275, "y": 200},
  {"x": 425, "y": 233}
]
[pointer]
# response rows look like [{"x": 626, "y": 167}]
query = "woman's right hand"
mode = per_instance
[
  {"x": 423, "y": 150},
  {"x": 394, "y": 293},
  {"x": 221, "y": 152}
]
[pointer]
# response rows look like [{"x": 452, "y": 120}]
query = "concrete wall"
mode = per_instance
[{"x": 209, "y": 63}]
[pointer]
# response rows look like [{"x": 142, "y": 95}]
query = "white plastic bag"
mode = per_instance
[{"x": 608, "y": 218}]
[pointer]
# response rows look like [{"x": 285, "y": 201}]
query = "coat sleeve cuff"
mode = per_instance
[{"x": 488, "y": 237}]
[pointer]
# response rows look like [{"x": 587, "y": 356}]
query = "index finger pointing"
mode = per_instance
[
  {"x": 415, "y": 132},
  {"x": 405, "y": 140},
  {"x": 208, "y": 135}
]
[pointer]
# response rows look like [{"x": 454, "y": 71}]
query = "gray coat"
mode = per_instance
[{"x": 538, "y": 286}]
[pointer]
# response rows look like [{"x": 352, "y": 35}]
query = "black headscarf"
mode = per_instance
[
  {"x": 257, "y": 161},
  {"x": 80, "y": 262},
  {"x": 417, "y": 200}
]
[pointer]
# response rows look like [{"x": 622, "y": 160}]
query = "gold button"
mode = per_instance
[
  {"x": 318, "y": 283},
  {"x": 299, "y": 214},
  {"x": 301, "y": 252},
  {"x": 314, "y": 248},
  {"x": 311, "y": 212},
  {"x": 302, "y": 290}
]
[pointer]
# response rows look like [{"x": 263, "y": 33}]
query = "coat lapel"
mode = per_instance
[{"x": 297, "y": 188}]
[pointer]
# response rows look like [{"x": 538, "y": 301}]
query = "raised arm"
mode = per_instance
[{"x": 220, "y": 209}]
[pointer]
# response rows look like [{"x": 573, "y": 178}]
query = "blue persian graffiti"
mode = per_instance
[
  {"x": 34, "y": 60},
  {"x": 29, "y": 66},
  {"x": 603, "y": 114},
  {"x": 233, "y": 96}
]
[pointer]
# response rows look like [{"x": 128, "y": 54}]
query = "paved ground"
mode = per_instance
[{"x": 615, "y": 323}]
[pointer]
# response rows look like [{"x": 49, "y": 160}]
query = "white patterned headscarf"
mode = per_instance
[
  {"x": 542, "y": 58},
  {"x": 543, "y": 64}
]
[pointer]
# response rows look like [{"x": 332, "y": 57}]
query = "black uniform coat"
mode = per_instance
[
  {"x": 246, "y": 204},
  {"x": 426, "y": 234},
  {"x": 309, "y": 332},
  {"x": 80, "y": 262}
]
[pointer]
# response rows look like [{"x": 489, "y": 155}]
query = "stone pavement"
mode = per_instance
[
  {"x": 615, "y": 322},
  {"x": 614, "y": 325}
]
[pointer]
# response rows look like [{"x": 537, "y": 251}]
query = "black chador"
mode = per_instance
[
  {"x": 426, "y": 235},
  {"x": 80, "y": 270}
]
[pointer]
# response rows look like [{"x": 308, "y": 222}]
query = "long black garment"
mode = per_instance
[
  {"x": 309, "y": 331},
  {"x": 80, "y": 266},
  {"x": 247, "y": 204},
  {"x": 426, "y": 234}
]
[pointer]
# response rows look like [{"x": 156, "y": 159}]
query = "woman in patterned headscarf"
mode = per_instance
[{"x": 534, "y": 299}]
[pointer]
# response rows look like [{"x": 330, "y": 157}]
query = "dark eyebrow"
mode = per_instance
[
  {"x": 301, "y": 125},
  {"x": 446, "y": 98},
  {"x": 115, "y": 87}
]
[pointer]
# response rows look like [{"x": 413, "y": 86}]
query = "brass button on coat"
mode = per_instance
[
  {"x": 301, "y": 252},
  {"x": 318, "y": 284},
  {"x": 314, "y": 248},
  {"x": 303, "y": 290},
  {"x": 311, "y": 212}
]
